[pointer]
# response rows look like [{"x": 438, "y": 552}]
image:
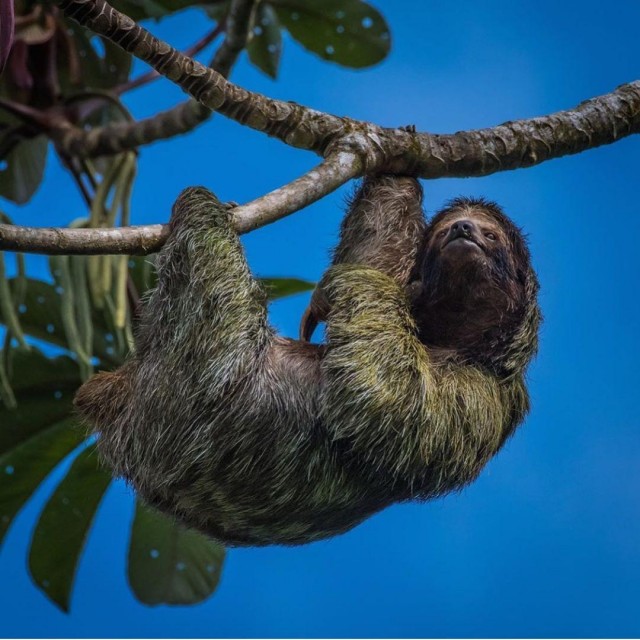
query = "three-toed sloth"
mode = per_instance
[{"x": 257, "y": 439}]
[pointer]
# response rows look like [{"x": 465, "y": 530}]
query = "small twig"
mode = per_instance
[{"x": 39, "y": 120}]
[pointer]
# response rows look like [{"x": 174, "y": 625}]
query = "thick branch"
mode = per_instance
[
  {"x": 182, "y": 118},
  {"x": 193, "y": 50},
  {"x": 517, "y": 144},
  {"x": 524, "y": 143},
  {"x": 296, "y": 125},
  {"x": 63, "y": 241},
  {"x": 141, "y": 240}
]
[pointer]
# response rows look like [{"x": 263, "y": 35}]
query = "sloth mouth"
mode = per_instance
[{"x": 462, "y": 241}]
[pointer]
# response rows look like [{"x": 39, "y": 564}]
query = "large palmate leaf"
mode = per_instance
[
  {"x": 169, "y": 564},
  {"x": 41, "y": 318},
  {"x": 349, "y": 32},
  {"x": 103, "y": 65},
  {"x": 27, "y": 465},
  {"x": 63, "y": 527},
  {"x": 40, "y": 432}
]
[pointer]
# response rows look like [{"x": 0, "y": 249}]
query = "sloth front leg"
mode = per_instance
[
  {"x": 200, "y": 345},
  {"x": 403, "y": 418},
  {"x": 207, "y": 316},
  {"x": 383, "y": 229}
]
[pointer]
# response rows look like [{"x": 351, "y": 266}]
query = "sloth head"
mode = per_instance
[{"x": 478, "y": 289}]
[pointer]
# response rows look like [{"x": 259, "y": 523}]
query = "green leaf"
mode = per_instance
[
  {"x": 40, "y": 432},
  {"x": 44, "y": 389},
  {"x": 63, "y": 527},
  {"x": 283, "y": 287},
  {"x": 23, "y": 168},
  {"x": 217, "y": 9},
  {"x": 103, "y": 64},
  {"x": 24, "y": 467},
  {"x": 169, "y": 564},
  {"x": 265, "y": 44},
  {"x": 116, "y": 63},
  {"x": 349, "y": 32}
]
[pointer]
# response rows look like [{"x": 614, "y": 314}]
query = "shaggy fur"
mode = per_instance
[{"x": 255, "y": 439}]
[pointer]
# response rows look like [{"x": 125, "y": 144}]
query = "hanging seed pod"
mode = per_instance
[
  {"x": 6, "y": 392},
  {"x": 102, "y": 215},
  {"x": 121, "y": 268},
  {"x": 60, "y": 270},
  {"x": 7, "y": 307},
  {"x": 122, "y": 201},
  {"x": 78, "y": 266}
]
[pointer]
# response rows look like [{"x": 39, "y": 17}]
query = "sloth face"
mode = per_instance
[
  {"x": 472, "y": 279},
  {"x": 467, "y": 236},
  {"x": 468, "y": 250}
]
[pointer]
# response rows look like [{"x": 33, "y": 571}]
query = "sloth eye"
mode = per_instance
[
  {"x": 442, "y": 233},
  {"x": 491, "y": 236}
]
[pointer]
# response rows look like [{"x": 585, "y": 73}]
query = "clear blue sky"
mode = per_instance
[{"x": 547, "y": 541}]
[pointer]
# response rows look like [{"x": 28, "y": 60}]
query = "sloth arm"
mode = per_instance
[
  {"x": 383, "y": 228},
  {"x": 206, "y": 376},
  {"x": 401, "y": 415}
]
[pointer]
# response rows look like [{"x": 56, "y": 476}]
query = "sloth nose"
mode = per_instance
[{"x": 462, "y": 228}]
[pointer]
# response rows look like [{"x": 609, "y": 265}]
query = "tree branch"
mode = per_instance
[
  {"x": 525, "y": 143},
  {"x": 296, "y": 125},
  {"x": 184, "y": 117},
  {"x": 512, "y": 145},
  {"x": 353, "y": 148},
  {"x": 598, "y": 121},
  {"x": 141, "y": 240}
]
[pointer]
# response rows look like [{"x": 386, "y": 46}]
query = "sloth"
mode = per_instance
[{"x": 256, "y": 439}]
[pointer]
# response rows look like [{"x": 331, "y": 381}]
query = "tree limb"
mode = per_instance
[
  {"x": 193, "y": 50},
  {"x": 524, "y": 143},
  {"x": 353, "y": 148},
  {"x": 296, "y": 125},
  {"x": 141, "y": 240},
  {"x": 182, "y": 118},
  {"x": 512, "y": 145}
]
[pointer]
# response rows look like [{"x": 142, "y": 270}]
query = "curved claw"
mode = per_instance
[
  {"x": 315, "y": 313},
  {"x": 308, "y": 324}
]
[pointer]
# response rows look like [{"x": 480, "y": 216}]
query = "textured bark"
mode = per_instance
[
  {"x": 62, "y": 241},
  {"x": 178, "y": 120},
  {"x": 509, "y": 146},
  {"x": 524, "y": 143},
  {"x": 286, "y": 120}
]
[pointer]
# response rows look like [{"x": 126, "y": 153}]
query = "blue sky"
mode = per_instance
[{"x": 547, "y": 541}]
